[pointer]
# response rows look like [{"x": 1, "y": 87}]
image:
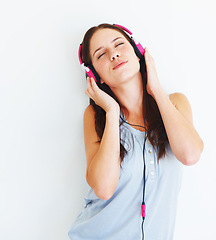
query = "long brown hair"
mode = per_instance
[{"x": 156, "y": 130}]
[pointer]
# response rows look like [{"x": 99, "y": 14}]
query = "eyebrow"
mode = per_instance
[{"x": 103, "y": 47}]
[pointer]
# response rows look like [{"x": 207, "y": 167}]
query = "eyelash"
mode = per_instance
[
  {"x": 115, "y": 47},
  {"x": 119, "y": 44},
  {"x": 101, "y": 55}
]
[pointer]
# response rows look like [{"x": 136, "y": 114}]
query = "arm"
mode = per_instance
[
  {"x": 176, "y": 113},
  {"x": 103, "y": 159}
]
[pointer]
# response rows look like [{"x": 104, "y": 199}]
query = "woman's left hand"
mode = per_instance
[{"x": 153, "y": 84}]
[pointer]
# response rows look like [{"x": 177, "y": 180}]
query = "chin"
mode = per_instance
[
  {"x": 123, "y": 75},
  {"x": 130, "y": 75}
]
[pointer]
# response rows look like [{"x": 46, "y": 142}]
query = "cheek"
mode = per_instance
[
  {"x": 134, "y": 61},
  {"x": 101, "y": 68}
]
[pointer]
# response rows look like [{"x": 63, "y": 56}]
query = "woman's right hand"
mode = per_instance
[{"x": 101, "y": 98}]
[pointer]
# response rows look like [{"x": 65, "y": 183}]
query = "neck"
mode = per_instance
[{"x": 130, "y": 96}]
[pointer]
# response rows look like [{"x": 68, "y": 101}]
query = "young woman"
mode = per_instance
[{"x": 136, "y": 140}]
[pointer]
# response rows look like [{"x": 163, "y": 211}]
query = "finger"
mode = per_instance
[
  {"x": 148, "y": 55},
  {"x": 89, "y": 93},
  {"x": 146, "y": 50},
  {"x": 89, "y": 84},
  {"x": 94, "y": 84},
  {"x": 89, "y": 87}
]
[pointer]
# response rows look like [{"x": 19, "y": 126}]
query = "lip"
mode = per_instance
[{"x": 119, "y": 64}]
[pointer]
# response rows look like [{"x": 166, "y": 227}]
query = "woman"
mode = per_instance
[{"x": 136, "y": 140}]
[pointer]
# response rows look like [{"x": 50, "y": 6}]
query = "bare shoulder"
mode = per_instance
[
  {"x": 180, "y": 101},
  {"x": 178, "y": 98}
]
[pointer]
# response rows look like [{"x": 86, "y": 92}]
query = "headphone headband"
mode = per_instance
[
  {"x": 89, "y": 69},
  {"x": 124, "y": 28},
  {"x": 79, "y": 54}
]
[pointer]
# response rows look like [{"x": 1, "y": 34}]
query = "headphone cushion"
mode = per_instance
[
  {"x": 90, "y": 72},
  {"x": 139, "y": 50}
]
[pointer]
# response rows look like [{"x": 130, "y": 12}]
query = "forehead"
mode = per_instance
[{"x": 102, "y": 37}]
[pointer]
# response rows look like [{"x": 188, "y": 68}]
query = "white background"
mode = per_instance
[{"x": 42, "y": 100}]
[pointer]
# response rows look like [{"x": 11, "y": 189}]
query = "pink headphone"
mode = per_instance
[{"x": 89, "y": 69}]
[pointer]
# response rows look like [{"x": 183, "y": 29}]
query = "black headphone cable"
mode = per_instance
[{"x": 143, "y": 207}]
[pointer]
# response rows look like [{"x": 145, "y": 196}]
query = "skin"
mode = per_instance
[{"x": 108, "y": 48}]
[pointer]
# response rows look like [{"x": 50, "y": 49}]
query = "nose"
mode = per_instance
[{"x": 114, "y": 56}]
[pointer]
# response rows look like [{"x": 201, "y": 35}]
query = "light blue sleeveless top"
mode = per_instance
[{"x": 120, "y": 217}]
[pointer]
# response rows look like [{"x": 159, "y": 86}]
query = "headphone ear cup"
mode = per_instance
[
  {"x": 139, "y": 50},
  {"x": 90, "y": 72}
]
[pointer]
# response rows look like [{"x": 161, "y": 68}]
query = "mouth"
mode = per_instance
[{"x": 119, "y": 64}]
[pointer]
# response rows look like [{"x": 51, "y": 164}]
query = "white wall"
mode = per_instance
[{"x": 42, "y": 159}]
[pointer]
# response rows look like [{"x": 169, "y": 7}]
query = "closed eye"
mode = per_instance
[
  {"x": 101, "y": 55},
  {"x": 119, "y": 44}
]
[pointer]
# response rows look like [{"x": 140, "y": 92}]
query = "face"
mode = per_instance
[{"x": 113, "y": 57}]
